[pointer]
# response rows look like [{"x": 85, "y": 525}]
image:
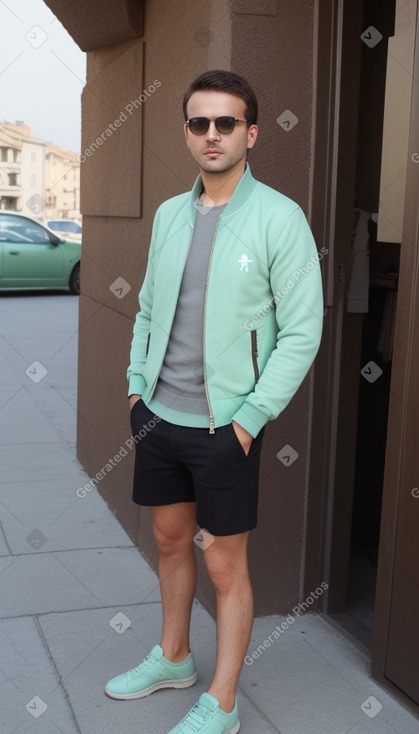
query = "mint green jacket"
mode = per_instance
[{"x": 263, "y": 303}]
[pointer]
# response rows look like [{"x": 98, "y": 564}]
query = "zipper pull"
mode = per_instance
[{"x": 211, "y": 426}]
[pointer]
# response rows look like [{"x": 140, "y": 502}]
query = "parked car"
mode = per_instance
[
  {"x": 32, "y": 256},
  {"x": 67, "y": 228}
]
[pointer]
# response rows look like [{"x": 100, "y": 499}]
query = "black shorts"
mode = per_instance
[{"x": 181, "y": 464}]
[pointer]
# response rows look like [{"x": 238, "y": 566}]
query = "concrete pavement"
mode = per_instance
[{"x": 79, "y": 604}]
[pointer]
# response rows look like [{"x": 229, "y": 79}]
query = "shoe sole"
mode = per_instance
[
  {"x": 175, "y": 683},
  {"x": 235, "y": 729}
]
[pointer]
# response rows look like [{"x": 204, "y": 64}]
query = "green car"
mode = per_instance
[{"x": 32, "y": 256}]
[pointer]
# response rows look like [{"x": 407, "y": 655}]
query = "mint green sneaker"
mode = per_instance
[
  {"x": 206, "y": 717},
  {"x": 153, "y": 673}
]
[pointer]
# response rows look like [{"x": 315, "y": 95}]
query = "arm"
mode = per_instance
[
  {"x": 296, "y": 285},
  {"x": 141, "y": 331}
]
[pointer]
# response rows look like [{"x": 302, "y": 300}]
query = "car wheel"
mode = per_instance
[{"x": 74, "y": 283}]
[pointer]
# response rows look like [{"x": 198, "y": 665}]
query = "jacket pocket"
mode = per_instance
[{"x": 254, "y": 348}]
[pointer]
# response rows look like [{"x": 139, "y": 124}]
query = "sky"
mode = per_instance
[{"x": 42, "y": 73}]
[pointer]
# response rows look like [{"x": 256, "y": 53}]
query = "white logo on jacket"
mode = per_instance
[{"x": 244, "y": 260}]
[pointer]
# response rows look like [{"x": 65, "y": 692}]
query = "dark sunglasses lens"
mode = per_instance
[
  {"x": 198, "y": 125},
  {"x": 225, "y": 125}
]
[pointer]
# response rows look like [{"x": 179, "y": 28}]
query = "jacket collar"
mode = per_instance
[{"x": 241, "y": 194}]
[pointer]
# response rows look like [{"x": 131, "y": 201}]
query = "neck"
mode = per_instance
[{"x": 218, "y": 188}]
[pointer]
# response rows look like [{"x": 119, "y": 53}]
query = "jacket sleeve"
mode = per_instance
[
  {"x": 141, "y": 331},
  {"x": 296, "y": 285}
]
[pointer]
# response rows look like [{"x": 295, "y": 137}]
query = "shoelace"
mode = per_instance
[
  {"x": 197, "y": 716},
  {"x": 148, "y": 660}
]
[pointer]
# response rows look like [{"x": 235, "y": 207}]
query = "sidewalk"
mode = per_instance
[{"x": 78, "y": 604}]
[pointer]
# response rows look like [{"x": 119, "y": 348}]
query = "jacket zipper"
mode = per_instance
[
  {"x": 254, "y": 343},
  {"x": 211, "y": 417}
]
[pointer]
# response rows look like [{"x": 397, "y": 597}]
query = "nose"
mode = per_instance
[{"x": 212, "y": 132}]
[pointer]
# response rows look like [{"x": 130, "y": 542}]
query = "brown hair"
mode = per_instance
[{"x": 225, "y": 81}]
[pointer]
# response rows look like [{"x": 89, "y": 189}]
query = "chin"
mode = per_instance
[{"x": 214, "y": 166}]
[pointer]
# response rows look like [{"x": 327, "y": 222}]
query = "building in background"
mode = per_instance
[
  {"x": 10, "y": 171},
  {"x": 31, "y": 177},
  {"x": 62, "y": 193},
  {"x": 37, "y": 177}
]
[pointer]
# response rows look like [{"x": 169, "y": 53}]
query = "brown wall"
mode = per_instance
[{"x": 144, "y": 162}]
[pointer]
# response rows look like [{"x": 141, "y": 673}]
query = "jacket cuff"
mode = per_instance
[
  {"x": 250, "y": 418},
  {"x": 136, "y": 385}
]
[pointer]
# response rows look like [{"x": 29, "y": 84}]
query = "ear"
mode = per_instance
[{"x": 252, "y": 133}]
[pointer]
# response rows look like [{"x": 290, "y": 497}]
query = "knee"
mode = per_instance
[
  {"x": 224, "y": 575},
  {"x": 171, "y": 540}
]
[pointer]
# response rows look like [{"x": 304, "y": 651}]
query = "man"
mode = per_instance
[{"x": 230, "y": 322}]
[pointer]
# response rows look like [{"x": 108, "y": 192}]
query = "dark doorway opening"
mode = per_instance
[
  {"x": 373, "y": 405},
  {"x": 372, "y": 291}
]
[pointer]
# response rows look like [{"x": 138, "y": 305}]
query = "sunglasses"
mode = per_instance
[{"x": 200, "y": 125}]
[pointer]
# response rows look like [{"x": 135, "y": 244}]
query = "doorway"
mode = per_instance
[
  {"x": 377, "y": 344},
  {"x": 364, "y": 456},
  {"x": 371, "y": 291}
]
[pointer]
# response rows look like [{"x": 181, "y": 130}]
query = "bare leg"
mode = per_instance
[
  {"x": 174, "y": 527},
  {"x": 226, "y": 560}
]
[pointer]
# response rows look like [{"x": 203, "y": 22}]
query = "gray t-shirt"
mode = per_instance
[{"x": 181, "y": 382}]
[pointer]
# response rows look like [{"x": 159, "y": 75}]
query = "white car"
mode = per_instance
[{"x": 67, "y": 228}]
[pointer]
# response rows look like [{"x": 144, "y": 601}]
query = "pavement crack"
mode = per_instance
[{"x": 57, "y": 673}]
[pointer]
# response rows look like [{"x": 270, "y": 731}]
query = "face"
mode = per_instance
[{"x": 215, "y": 152}]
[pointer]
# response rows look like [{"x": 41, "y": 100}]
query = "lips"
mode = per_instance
[{"x": 212, "y": 152}]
